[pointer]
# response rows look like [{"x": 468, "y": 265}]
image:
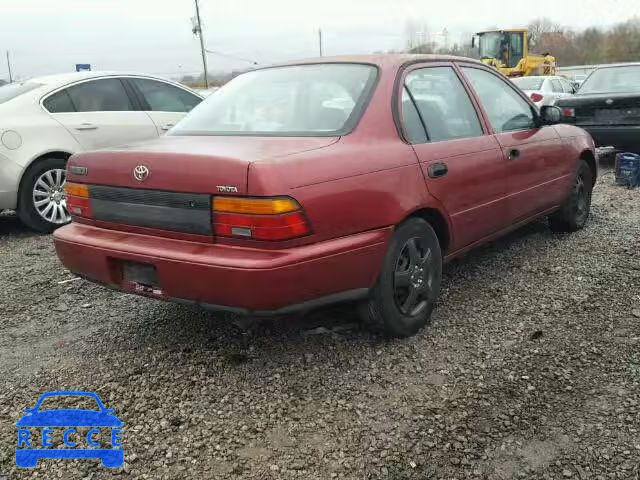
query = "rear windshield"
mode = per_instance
[
  {"x": 613, "y": 80},
  {"x": 12, "y": 90},
  {"x": 528, "y": 83},
  {"x": 301, "y": 100}
]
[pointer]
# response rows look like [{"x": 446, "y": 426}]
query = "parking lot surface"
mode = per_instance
[{"x": 530, "y": 369}]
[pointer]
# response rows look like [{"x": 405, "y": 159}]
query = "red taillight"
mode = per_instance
[
  {"x": 536, "y": 97},
  {"x": 568, "y": 112},
  {"x": 79, "y": 207},
  {"x": 77, "y": 196},
  {"x": 255, "y": 222}
]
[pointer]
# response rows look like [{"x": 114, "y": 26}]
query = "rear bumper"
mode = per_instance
[
  {"x": 245, "y": 280},
  {"x": 623, "y": 138}
]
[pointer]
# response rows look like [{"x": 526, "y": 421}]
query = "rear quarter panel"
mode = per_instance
[
  {"x": 39, "y": 135},
  {"x": 349, "y": 187},
  {"x": 368, "y": 179}
]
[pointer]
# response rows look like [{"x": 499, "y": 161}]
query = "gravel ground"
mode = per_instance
[{"x": 531, "y": 369}]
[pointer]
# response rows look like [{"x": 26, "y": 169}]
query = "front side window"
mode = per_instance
[
  {"x": 162, "y": 97},
  {"x": 102, "y": 95},
  {"x": 556, "y": 86},
  {"x": 299, "y": 100},
  {"x": 507, "y": 111},
  {"x": 443, "y": 104}
]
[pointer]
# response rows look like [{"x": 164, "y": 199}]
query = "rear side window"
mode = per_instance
[
  {"x": 556, "y": 86},
  {"x": 59, "y": 103},
  {"x": 105, "y": 95},
  {"x": 162, "y": 97},
  {"x": 443, "y": 104},
  {"x": 529, "y": 83},
  {"x": 296, "y": 100},
  {"x": 413, "y": 128},
  {"x": 507, "y": 111}
]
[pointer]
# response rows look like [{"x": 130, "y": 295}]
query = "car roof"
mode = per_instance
[
  {"x": 383, "y": 60},
  {"x": 614, "y": 65},
  {"x": 541, "y": 76},
  {"x": 61, "y": 79}
]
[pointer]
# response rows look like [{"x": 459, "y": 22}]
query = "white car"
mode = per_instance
[
  {"x": 43, "y": 121},
  {"x": 205, "y": 92},
  {"x": 545, "y": 90},
  {"x": 579, "y": 79}
]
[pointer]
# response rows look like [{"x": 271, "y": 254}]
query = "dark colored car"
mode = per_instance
[
  {"x": 608, "y": 107},
  {"x": 324, "y": 181}
]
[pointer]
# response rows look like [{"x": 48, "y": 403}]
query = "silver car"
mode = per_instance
[{"x": 545, "y": 90}]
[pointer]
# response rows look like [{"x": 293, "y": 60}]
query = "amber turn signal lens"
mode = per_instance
[
  {"x": 76, "y": 190},
  {"x": 255, "y": 206},
  {"x": 275, "y": 218}
]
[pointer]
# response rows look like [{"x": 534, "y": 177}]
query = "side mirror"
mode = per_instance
[
  {"x": 29, "y": 410},
  {"x": 109, "y": 411},
  {"x": 550, "y": 114}
]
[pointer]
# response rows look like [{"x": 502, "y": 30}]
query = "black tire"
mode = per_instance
[
  {"x": 27, "y": 211},
  {"x": 414, "y": 258},
  {"x": 574, "y": 212}
]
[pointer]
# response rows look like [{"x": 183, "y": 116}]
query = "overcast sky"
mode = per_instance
[{"x": 154, "y": 36}]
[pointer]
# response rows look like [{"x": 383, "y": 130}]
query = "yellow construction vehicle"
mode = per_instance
[{"x": 508, "y": 51}]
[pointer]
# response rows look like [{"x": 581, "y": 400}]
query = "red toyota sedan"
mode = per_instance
[{"x": 333, "y": 179}]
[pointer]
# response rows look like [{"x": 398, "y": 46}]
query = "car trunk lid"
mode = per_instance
[
  {"x": 167, "y": 184},
  {"x": 604, "y": 109}
]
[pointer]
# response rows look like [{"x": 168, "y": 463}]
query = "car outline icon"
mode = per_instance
[{"x": 70, "y": 418}]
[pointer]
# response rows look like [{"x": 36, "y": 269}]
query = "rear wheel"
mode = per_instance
[
  {"x": 42, "y": 204},
  {"x": 574, "y": 212},
  {"x": 404, "y": 296}
]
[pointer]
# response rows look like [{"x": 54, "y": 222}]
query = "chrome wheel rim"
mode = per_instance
[
  {"x": 413, "y": 278},
  {"x": 49, "y": 199}
]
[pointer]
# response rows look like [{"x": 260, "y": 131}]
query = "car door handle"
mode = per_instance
[
  {"x": 513, "y": 154},
  {"x": 167, "y": 126},
  {"x": 87, "y": 126},
  {"x": 437, "y": 170}
]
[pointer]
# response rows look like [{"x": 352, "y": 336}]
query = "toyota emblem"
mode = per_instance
[{"x": 140, "y": 173}]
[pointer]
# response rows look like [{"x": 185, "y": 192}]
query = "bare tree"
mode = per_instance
[{"x": 539, "y": 27}]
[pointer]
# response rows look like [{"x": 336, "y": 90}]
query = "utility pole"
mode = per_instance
[
  {"x": 9, "y": 68},
  {"x": 197, "y": 29},
  {"x": 320, "y": 40}
]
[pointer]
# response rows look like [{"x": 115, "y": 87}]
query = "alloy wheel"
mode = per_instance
[
  {"x": 580, "y": 199},
  {"x": 49, "y": 198},
  {"x": 413, "y": 278}
]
